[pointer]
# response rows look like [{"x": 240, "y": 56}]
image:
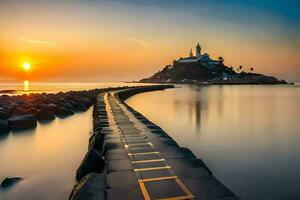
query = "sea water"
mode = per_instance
[{"x": 248, "y": 135}]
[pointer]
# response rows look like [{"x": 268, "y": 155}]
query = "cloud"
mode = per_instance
[
  {"x": 41, "y": 42},
  {"x": 141, "y": 42}
]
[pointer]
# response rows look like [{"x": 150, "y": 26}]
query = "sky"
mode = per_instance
[{"x": 125, "y": 40}]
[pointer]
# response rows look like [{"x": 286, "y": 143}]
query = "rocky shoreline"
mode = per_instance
[{"x": 24, "y": 111}]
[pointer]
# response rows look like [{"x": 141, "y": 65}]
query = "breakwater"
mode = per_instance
[
  {"x": 129, "y": 157},
  {"x": 22, "y": 112}
]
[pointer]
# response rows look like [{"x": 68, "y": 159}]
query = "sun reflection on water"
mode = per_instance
[{"x": 26, "y": 86}]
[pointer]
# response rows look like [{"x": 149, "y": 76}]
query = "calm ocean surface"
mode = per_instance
[
  {"x": 48, "y": 87},
  {"x": 249, "y": 136}
]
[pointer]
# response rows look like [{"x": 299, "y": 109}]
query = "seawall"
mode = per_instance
[{"x": 129, "y": 157}]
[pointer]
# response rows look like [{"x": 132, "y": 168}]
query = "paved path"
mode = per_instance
[{"x": 143, "y": 162}]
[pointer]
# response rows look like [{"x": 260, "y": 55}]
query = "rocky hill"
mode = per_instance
[{"x": 203, "y": 69}]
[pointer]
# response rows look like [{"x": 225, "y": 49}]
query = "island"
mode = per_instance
[{"x": 202, "y": 69}]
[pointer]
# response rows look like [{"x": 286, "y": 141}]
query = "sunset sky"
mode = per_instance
[{"x": 108, "y": 40}]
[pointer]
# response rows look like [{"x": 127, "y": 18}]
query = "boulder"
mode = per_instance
[
  {"x": 11, "y": 107},
  {"x": 91, "y": 187},
  {"x": 32, "y": 111},
  {"x": 68, "y": 106},
  {"x": 4, "y": 127},
  {"x": 81, "y": 106},
  {"x": 92, "y": 162},
  {"x": 63, "y": 112},
  {"x": 45, "y": 114},
  {"x": 96, "y": 141},
  {"x": 52, "y": 107},
  {"x": 19, "y": 111},
  {"x": 4, "y": 114},
  {"x": 42, "y": 106},
  {"x": 20, "y": 122},
  {"x": 8, "y": 182}
]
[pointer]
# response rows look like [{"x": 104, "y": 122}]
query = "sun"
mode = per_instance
[{"x": 26, "y": 66}]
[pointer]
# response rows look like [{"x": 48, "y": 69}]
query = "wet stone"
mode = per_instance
[
  {"x": 116, "y": 154},
  {"x": 155, "y": 173},
  {"x": 118, "y": 165},
  {"x": 128, "y": 179},
  {"x": 164, "y": 189},
  {"x": 148, "y": 165}
]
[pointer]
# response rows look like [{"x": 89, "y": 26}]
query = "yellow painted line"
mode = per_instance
[
  {"x": 144, "y": 191},
  {"x": 158, "y": 179},
  {"x": 179, "y": 198},
  {"x": 147, "y": 161},
  {"x": 144, "y": 153},
  {"x": 151, "y": 168},
  {"x": 184, "y": 188},
  {"x": 136, "y": 144},
  {"x": 133, "y": 138}
]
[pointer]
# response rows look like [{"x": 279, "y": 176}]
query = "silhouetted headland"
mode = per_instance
[{"x": 200, "y": 68}]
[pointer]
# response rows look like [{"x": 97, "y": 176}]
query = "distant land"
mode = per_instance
[{"x": 200, "y": 68}]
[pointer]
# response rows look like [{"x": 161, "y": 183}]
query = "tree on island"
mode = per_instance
[
  {"x": 240, "y": 67},
  {"x": 251, "y": 69},
  {"x": 221, "y": 60}
]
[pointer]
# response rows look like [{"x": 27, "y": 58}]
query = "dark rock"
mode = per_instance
[
  {"x": 8, "y": 182},
  {"x": 4, "y": 127},
  {"x": 48, "y": 101},
  {"x": 22, "y": 122},
  {"x": 42, "y": 106},
  {"x": 32, "y": 111},
  {"x": 92, "y": 162},
  {"x": 52, "y": 107},
  {"x": 11, "y": 107},
  {"x": 63, "y": 112},
  {"x": 19, "y": 111},
  {"x": 81, "y": 106},
  {"x": 96, "y": 141},
  {"x": 91, "y": 187},
  {"x": 68, "y": 106},
  {"x": 45, "y": 114},
  {"x": 4, "y": 114}
]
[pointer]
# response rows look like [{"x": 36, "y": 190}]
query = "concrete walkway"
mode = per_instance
[{"x": 144, "y": 162}]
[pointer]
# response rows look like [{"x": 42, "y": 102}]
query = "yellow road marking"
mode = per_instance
[
  {"x": 147, "y": 161},
  {"x": 144, "y": 191},
  {"x": 151, "y": 168},
  {"x": 144, "y": 153},
  {"x": 158, "y": 179}
]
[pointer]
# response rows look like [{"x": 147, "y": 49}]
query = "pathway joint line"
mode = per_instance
[
  {"x": 143, "y": 153},
  {"x": 151, "y": 168},
  {"x": 147, "y": 161},
  {"x": 158, "y": 179}
]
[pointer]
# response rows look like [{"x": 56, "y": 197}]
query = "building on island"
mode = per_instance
[{"x": 198, "y": 57}]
